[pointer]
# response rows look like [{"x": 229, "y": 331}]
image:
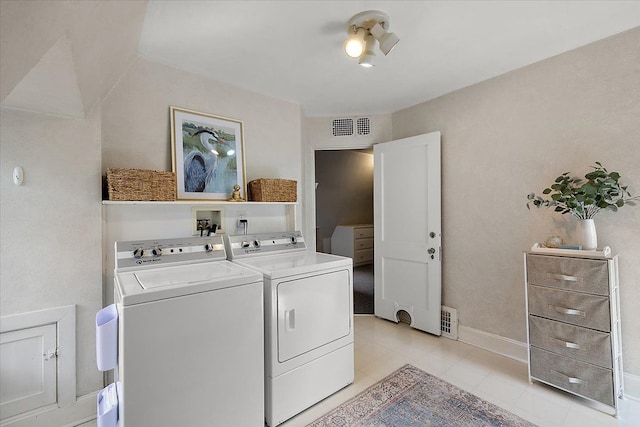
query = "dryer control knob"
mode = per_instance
[
  {"x": 294, "y": 239},
  {"x": 256, "y": 243},
  {"x": 138, "y": 253},
  {"x": 157, "y": 251},
  {"x": 208, "y": 247},
  {"x": 246, "y": 244}
]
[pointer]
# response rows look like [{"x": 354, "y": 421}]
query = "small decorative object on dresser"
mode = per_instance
[
  {"x": 602, "y": 190},
  {"x": 573, "y": 323},
  {"x": 354, "y": 241}
]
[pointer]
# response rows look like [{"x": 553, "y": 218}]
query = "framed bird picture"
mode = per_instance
[{"x": 207, "y": 155}]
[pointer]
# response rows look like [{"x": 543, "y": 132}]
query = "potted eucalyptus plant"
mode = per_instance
[{"x": 600, "y": 190}]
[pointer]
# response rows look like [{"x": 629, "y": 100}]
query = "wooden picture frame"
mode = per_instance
[{"x": 207, "y": 155}]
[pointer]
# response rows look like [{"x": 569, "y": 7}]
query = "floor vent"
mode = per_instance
[
  {"x": 342, "y": 127},
  {"x": 449, "y": 322}
]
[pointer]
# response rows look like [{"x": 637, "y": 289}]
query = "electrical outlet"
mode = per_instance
[{"x": 242, "y": 216}]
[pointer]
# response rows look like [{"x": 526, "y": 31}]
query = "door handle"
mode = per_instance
[{"x": 290, "y": 320}]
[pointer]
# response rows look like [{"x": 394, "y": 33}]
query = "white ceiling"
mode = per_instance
[{"x": 293, "y": 49}]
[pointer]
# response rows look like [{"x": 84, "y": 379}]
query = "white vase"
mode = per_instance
[{"x": 586, "y": 234}]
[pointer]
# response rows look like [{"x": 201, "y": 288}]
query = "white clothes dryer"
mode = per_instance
[
  {"x": 309, "y": 351},
  {"x": 190, "y": 335}
]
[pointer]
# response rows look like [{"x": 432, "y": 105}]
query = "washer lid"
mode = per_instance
[
  {"x": 169, "y": 282},
  {"x": 284, "y": 265}
]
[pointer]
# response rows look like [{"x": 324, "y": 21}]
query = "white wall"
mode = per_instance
[
  {"x": 136, "y": 126},
  {"x": 51, "y": 226},
  {"x": 512, "y": 135}
]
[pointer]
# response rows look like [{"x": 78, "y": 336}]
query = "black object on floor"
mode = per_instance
[{"x": 363, "y": 289}]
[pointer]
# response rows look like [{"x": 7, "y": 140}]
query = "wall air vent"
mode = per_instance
[
  {"x": 363, "y": 125},
  {"x": 342, "y": 127},
  {"x": 449, "y": 322}
]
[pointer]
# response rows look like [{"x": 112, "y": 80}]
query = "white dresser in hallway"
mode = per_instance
[
  {"x": 354, "y": 241},
  {"x": 574, "y": 324}
]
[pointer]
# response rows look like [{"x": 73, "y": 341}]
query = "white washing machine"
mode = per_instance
[
  {"x": 308, "y": 319},
  {"x": 190, "y": 335}
]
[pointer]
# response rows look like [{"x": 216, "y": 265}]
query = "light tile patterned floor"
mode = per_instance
[{"x": 382, "y": 347}]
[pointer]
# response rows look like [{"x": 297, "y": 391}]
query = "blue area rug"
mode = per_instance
[{"x": 413, "y": 398}]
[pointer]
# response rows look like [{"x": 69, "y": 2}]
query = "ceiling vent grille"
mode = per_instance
[
  {"x": 363, "y": 125},
  {"x": 342, "y": 127}
]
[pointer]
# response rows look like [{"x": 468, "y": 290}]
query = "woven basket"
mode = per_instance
[
  {"x": 141, "y": 184},
  {"x": 273, "y": 190}
]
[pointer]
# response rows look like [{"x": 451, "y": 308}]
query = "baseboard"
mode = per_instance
[
  {"x": 518, "y": 351},
  {"x": 84, "y": 409},
  {"x": 505, "y": 346},
  {"x": 631, "y": 387}
]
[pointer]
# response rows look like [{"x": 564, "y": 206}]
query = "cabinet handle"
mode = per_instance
[
  {"x": 564, "y": 310},
  {"x": 572, "y": 380},
  {"x": 568, "y": 344},
  {"x": 562, "y": 277}
]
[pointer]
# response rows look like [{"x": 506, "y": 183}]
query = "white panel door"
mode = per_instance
[
  {"x": 407, "y": 227},
  {"x": 28, "y": 371},
  {"x": 312, "y": 311}
]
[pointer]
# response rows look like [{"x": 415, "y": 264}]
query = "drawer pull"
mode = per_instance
[
  {"x": 563, "y": 277},
  {"x": 572, "y": 380},
  {"x": 568, "y": 344},
  {"x": 564, "y": 310}
]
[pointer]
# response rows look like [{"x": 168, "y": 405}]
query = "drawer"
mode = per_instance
[
  {"x": 576, "y": 274},
  {"x": 360, "y": 233},
  {"x": 576, "y": 342},
  {"x": 363, "y": 256},
  {"x": 363, "y": 243},
  {"x": 591, "y": 311},
  {"x": 572, "y": 375}
]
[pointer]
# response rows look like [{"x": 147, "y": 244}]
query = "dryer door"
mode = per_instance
[{"x": 312, "y": 311}]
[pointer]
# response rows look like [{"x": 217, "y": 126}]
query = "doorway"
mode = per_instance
[{"x": 344, "y": 196}]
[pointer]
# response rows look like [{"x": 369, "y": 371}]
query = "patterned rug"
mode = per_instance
[{"x": 410, "y": 397}]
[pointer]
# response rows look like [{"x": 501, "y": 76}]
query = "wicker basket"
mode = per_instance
[
  {"x": 273, "y": 190},
  {"x": 141, "y": 184}
]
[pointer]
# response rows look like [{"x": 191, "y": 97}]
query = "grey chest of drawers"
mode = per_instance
[{"x": 573, "y": 325}]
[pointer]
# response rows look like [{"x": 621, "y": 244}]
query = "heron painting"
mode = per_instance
[{"x": 207, "y": 155}]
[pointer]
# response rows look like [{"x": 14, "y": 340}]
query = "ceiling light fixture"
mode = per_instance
[
  {"x": 369, "y": 54},
  {"x": 365, "y": 29}
]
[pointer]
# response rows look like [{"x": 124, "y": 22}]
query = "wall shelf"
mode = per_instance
[{"x": 193, "y": 202}]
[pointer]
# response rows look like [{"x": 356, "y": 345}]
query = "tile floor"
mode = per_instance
[{"x": 382, "y": 347}]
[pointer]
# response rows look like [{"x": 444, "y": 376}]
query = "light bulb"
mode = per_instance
[{"x": 354, "y": 45}]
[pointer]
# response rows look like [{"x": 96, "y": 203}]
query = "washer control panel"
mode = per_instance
[
  {"x": 244, "y": 245},
  {"x": 165, "y": 252}
]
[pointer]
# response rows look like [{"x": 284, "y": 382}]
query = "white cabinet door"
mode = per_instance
[
  {"x": 407, "y": 228},
  {"x": 312, "y": 311},
  {"x": 28, "y": 369}
]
